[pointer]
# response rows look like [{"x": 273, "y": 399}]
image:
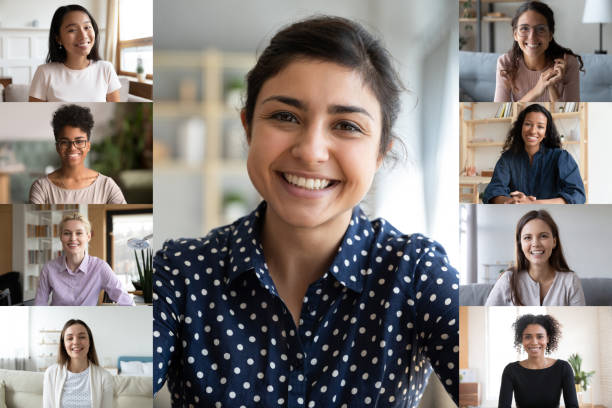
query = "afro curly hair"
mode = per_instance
[
  {"x": 549, "y": 323},
  {"x": 73, "y": 116}
]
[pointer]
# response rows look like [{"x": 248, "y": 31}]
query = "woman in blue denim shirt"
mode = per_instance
[{"x": 533, "y": 167}]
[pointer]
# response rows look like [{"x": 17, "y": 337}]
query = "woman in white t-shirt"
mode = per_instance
[
  {"x": 74, "y": 71},
  {"x": 77, "y": 380}
]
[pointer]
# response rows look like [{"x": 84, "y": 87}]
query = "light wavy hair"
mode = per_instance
[{"x": 75, "y": 217}]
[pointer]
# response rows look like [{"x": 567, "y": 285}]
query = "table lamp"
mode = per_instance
[{"x": 598, "y": 11}]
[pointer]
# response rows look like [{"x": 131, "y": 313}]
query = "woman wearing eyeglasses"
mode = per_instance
[
  {"x": 73, "y": 182},
  {"x": 537, "y": 69}
]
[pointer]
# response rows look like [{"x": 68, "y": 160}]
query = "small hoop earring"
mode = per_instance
[{"x": 60, "y": 46}]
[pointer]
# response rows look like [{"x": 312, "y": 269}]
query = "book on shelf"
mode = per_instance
[{"x": 41, "y": 256}]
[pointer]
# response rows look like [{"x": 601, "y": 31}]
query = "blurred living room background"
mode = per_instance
[
  {"x": 125, "y": 39},
  {"x": 201, "y": 59}
]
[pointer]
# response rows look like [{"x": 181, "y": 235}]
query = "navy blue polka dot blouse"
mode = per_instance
[{"x": 369, "y": 333}]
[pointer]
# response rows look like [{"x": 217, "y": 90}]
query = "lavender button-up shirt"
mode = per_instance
[{"x": 81, "y": 287}]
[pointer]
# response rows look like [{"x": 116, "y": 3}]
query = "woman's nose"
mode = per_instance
[{"x": 311, "y": 145}]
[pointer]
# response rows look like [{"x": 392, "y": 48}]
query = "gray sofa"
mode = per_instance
[
  {"x": 477, "y": 77},
  {"x": 597, "y": 292}
]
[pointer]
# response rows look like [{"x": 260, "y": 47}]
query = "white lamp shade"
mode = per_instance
[{"x": 597, "y": 11}]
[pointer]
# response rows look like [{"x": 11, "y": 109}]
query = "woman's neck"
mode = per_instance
[
  {"x": 73, "y": 172},
  {"x": 76, "y": 62},
  {"x": 538, "y": 63},
  {"x": 73, "y": 261},
  {"x": 536, "y": 363},
  {"x": 531, "y": 151},
  {"x": 301, "y": 255},
  {"x": 78, "y": 365},
  {"x": 541, "y": 273}
]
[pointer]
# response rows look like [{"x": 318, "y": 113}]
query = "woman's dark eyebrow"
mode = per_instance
[
  {"x": 73, "y": 24},
  {"x": 334, "y": 109},
  {"x": 296, "y": 103}
]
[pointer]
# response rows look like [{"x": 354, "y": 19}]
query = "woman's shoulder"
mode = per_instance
[
  {"x": 503, "y": 60},
  {"x": 100, "y": 372},
  {"x": 53, "y": 369},
  {"x": 50, "y": 67},
  {"x": 102, "y": 65}
]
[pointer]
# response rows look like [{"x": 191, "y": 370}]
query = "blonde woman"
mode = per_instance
[
  {"x": 76, "y": 278},
  {"x": 77, "y": 380}
]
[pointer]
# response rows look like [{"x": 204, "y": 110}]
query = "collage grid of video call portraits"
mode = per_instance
[{"x": 309, "y": 296}]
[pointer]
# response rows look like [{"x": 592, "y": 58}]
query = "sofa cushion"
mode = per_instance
[
  {"x": 2, "y": 398},
  {"x": 475, "y": 294},
  {"x": 22, "y": 388},
  {"x": 133, "y": 392},
  {"x": 25, "y": 389},
  {"x": 597, "y": 291},
  {"x": 16, "y": 93}
]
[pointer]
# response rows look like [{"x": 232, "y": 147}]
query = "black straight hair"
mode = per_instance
[{"x": 56, "y": 52}]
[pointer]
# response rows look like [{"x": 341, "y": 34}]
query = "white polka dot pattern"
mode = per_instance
[{"x": 370, "y": 331}]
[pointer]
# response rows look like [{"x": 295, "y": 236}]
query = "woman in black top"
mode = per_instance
[{"x": 538, "y": 381}]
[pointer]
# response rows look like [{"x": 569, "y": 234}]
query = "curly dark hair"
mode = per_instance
[
  {"x": 514, "y": 140},
  {"x": 74, "y": 116},
  {"x": 549, "y": 323},
  {"x": 553, "y": 51}
]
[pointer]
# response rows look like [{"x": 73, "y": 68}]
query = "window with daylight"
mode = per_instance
[
  {"x": 121, "y": 226},
  {"x": 135, "y": 37}
]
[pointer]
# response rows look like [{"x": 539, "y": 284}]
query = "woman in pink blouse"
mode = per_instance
[
  {"x": 537, "y": 69},
  {"x": 76, "y": 278}
]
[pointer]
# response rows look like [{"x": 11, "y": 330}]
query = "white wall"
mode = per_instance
[
  {"x": 585, "y": 232},
  {"x": 570, "y": 32},
  {"x": 581, "y": 334},
  {"x": 131, "y": 334},
  {"x": 600, "y": 146},
  {"x": 32, "y": 121},
  {"x": 21, "y": 13}
]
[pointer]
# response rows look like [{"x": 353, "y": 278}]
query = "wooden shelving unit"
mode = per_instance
[
  {"x": 469, "y": 186},
  {"x": 481, "y": 17},
  {"x": 209, "y": 105}
]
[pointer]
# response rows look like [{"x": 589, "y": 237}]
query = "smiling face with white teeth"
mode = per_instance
[
  {"x": 70, "y": 154},
  {"x": 314, "y": 142},
  {"x": 533, "y": 131},
  {"x": 74, "y": 237},
  {"x": 76, "y": 342},
  {"x": 76, "y": 34},
  {"x": 532, "y": 34},
  {"x": 537, "y": 242},
  {"x": 535, "y": 340}
]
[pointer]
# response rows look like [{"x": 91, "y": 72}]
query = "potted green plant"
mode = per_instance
[
  {"x": 140, "y": 73},
  {"x": 581, "y": 378},
  {"x": 144, "y": 265}
]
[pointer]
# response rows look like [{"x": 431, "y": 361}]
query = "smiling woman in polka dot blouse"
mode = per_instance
[{"x": 305, "y": 302}]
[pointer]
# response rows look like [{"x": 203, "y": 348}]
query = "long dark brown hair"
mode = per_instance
[
  {"x": 553, "y": 51},
  {"x": 514, "y": 140},
  {"x": 62, "y": 355},
  {"x": 556, "y": 260}
]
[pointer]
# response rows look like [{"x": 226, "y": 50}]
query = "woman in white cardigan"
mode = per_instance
[{"x": 76, "y": 380}]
